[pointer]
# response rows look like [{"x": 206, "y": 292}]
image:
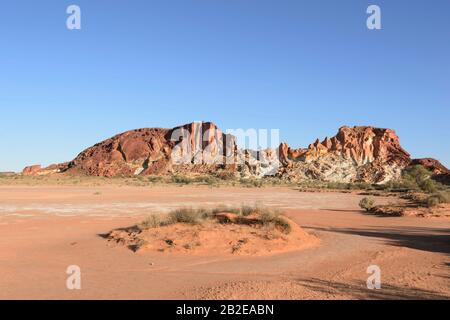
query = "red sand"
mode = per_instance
[{"x": 46, "y": 229}]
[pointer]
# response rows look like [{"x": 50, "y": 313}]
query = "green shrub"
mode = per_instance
[
  {"x": 209, "y": 180},
  {"x": 438, "y": 198},
  {"x": 181, "y": 179},
  {"x": 418, "y": 177},
  {"x": 252, "y": 183},
  {"x": 367, "y": 204},
  {"x": 428, "y": 186}
]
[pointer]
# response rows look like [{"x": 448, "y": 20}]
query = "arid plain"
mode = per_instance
[{"x": 46, "y": 228}]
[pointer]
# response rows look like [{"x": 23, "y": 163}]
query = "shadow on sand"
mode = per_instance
[
  {"x": 420, "y": 238},
  {"x": 360, "y": 291}
]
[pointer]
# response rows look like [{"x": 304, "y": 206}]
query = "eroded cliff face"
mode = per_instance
[
  {"x": 354, "y": 154},
  {"x": 156, "y": 151}
]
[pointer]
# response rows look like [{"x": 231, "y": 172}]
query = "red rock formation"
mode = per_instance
[
  {"x": 31, "y": 170},
  {"x": 354, "y": 154},
  {"x": 441, "y": 173},
  {"x": 287, "y": 154},
  {"x": 363, "y": 145},
  {"x": 154, "y": 151},
  {"x": 431, "y": 164}
]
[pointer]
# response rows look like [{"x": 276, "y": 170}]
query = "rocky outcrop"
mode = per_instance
[
  {"x": 31, "y": 170},
  {"x": 440, "y": 172},
  {"x": 155, "y": 151},
  {"x": 362, "y": 145},
  {"x": 354, "y": 154},
  {"x": 431, "y": 164}
]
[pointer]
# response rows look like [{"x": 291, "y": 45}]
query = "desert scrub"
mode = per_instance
[
  {"x": 225, "y": 175},
  {"x": 188, "y": 215},
  {"x": 154, "y": 179},
  {"x": 438, "y": 198},
  {"x": 367, "y": 204},
  {"x": 413, "y": 178},
  {"x": 273, "y": 218},
  {"x": 246, "y": 210},
  {"x": 267, "y": 217},
  {"x": 417, "y": 177},
  {"x": 208, "y": 180},
  {"x": 155, "y": 221},
  {"x": 181, "y": 179},
  {"x": 222, "y": 209},
  {"x": 251, "y": 183},
  {"x": 282, "y": 223},
  {"x": 346, "y": 186}
]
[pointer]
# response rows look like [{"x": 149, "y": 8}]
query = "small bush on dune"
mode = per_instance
[
  {"x": 367, "y": 204},
  {"x": 247, "y": 210},
  {"x": 155, "y": 221},
  {"x": 266, "y": 217},
  {"x": 273, "y": 218},
  {"x": 283, "y": 224},
  {"x": 188, "y": 215}
]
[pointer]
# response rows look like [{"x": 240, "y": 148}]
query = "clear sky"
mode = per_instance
[{"x": 304, "y": 67}]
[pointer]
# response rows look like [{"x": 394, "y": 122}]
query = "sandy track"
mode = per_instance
[{"x": 45, "y": 229}]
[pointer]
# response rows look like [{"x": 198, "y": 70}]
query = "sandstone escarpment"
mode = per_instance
[
  {"x": 354, "y": 154},
  {"x": 362, "y": 145},
  {"x": 155, "y": 151}
]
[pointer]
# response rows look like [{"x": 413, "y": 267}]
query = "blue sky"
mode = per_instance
[{"x": 304, "y": 67}]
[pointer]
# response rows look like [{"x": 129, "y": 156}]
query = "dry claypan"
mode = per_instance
[{"x": 218, "y": 252}]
